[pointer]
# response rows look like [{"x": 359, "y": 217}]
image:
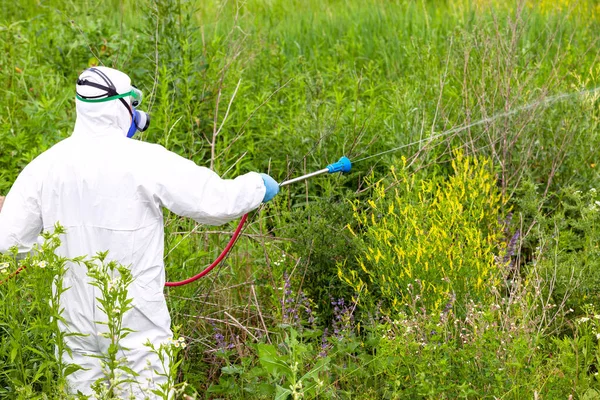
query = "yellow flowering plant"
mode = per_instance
[{"x": 430, "y": 240}]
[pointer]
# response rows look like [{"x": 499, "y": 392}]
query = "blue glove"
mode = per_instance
[{"x": 272, "y": 187}]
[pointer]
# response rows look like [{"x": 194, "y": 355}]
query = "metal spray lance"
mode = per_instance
[{"x": 342, "y": 165}]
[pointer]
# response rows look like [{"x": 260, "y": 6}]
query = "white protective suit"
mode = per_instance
[{"x": 108, "y": 191}]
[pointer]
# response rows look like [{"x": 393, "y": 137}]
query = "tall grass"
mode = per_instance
[{"x": 286, "y": 87}]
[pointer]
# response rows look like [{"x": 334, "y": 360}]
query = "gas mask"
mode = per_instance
[{"x": 140, "y": 121}]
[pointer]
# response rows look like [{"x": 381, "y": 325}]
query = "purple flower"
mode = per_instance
[
  {"x": 448, "y": 307},
  {"x": 324, "y": 345},
  {"x": 510, "y": 250},
  {"x": 511, "y": 247},
  {"x": 343, "y": 318},
  {"x": 288, "y": 303},
  {"x": 293, "y": 305},
  {"x": 222, "y": 345}
]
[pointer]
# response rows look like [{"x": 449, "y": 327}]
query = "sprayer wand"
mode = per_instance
[{"x": 342, "y": 165}]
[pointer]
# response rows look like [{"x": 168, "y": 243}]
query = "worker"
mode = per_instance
[{"x": 108, "y": 191}]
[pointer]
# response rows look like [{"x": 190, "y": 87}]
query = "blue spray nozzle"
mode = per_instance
[{"x": 343, "y": 165}]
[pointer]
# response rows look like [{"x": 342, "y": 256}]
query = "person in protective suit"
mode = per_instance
[{"x": 108, "y": 192}]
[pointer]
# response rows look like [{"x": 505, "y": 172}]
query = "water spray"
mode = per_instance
[
  {"x": 544, "y": 102},
  {"x": 344, "y": 164}
]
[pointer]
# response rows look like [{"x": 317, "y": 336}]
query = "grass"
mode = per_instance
[{"x": 287, "y": 87}]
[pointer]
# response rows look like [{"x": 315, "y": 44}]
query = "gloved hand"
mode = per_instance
[{"x": 272, "y": 187}]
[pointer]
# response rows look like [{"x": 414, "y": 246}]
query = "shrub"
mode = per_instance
[
  {"x": 434, "y": 238},
  {"x": 30, "y": 313},
  {"x": 321, "y": 242},
  {"x": 563, "y": 248}
]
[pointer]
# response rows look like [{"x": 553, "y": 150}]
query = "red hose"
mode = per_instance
[{"x": 223, "y": 254}]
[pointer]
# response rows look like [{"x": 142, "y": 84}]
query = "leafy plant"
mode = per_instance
[
  {"x": 32, "y": 346},
  {"x": 432, "y": 239}
]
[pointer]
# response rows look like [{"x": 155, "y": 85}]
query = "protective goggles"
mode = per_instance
[{"x": 135, "y": 93}]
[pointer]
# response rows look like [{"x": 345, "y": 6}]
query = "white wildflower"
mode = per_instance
[{"x": 42, "y": 264}]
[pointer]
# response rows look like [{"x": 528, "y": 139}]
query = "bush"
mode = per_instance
[
  {"x": 322, "y": 242},
  {"x": 436, "y": 239},
  {"x": 562, "y": 250}
]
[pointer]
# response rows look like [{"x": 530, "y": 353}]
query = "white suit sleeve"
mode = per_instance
[
  {"x": 20, "y": 218},
  {"x": 199, "y": 193}
]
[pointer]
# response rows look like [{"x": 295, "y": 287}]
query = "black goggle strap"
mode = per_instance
[{"x": 105, "y": 78}]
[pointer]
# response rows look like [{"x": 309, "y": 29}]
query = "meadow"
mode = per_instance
[{"x": 460, "y": 258}]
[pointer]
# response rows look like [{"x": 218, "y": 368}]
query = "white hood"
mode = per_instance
[{"x": 105, "y": 118}]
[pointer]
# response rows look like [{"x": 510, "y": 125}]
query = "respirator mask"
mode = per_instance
[{"x": 140, "y": 121}]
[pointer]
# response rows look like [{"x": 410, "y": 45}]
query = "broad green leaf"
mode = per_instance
[{"x": 282, "y": 393}]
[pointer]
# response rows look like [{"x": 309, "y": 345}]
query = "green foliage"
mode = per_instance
[
  {"x": 289, "y": 86},
  {"x": 322, "y": 242},
  {"x": 30, "y": 313},
  {"x": 578, "y": 356},
  {"x": 32, "y": 346},
  {"x": 292, "y": 369},
  {"x": 562, "y": 250},
  {"x": 303, "y": 363},
  {"x": 112, "y": 282},
  {"x": 433, "y": 356}
]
